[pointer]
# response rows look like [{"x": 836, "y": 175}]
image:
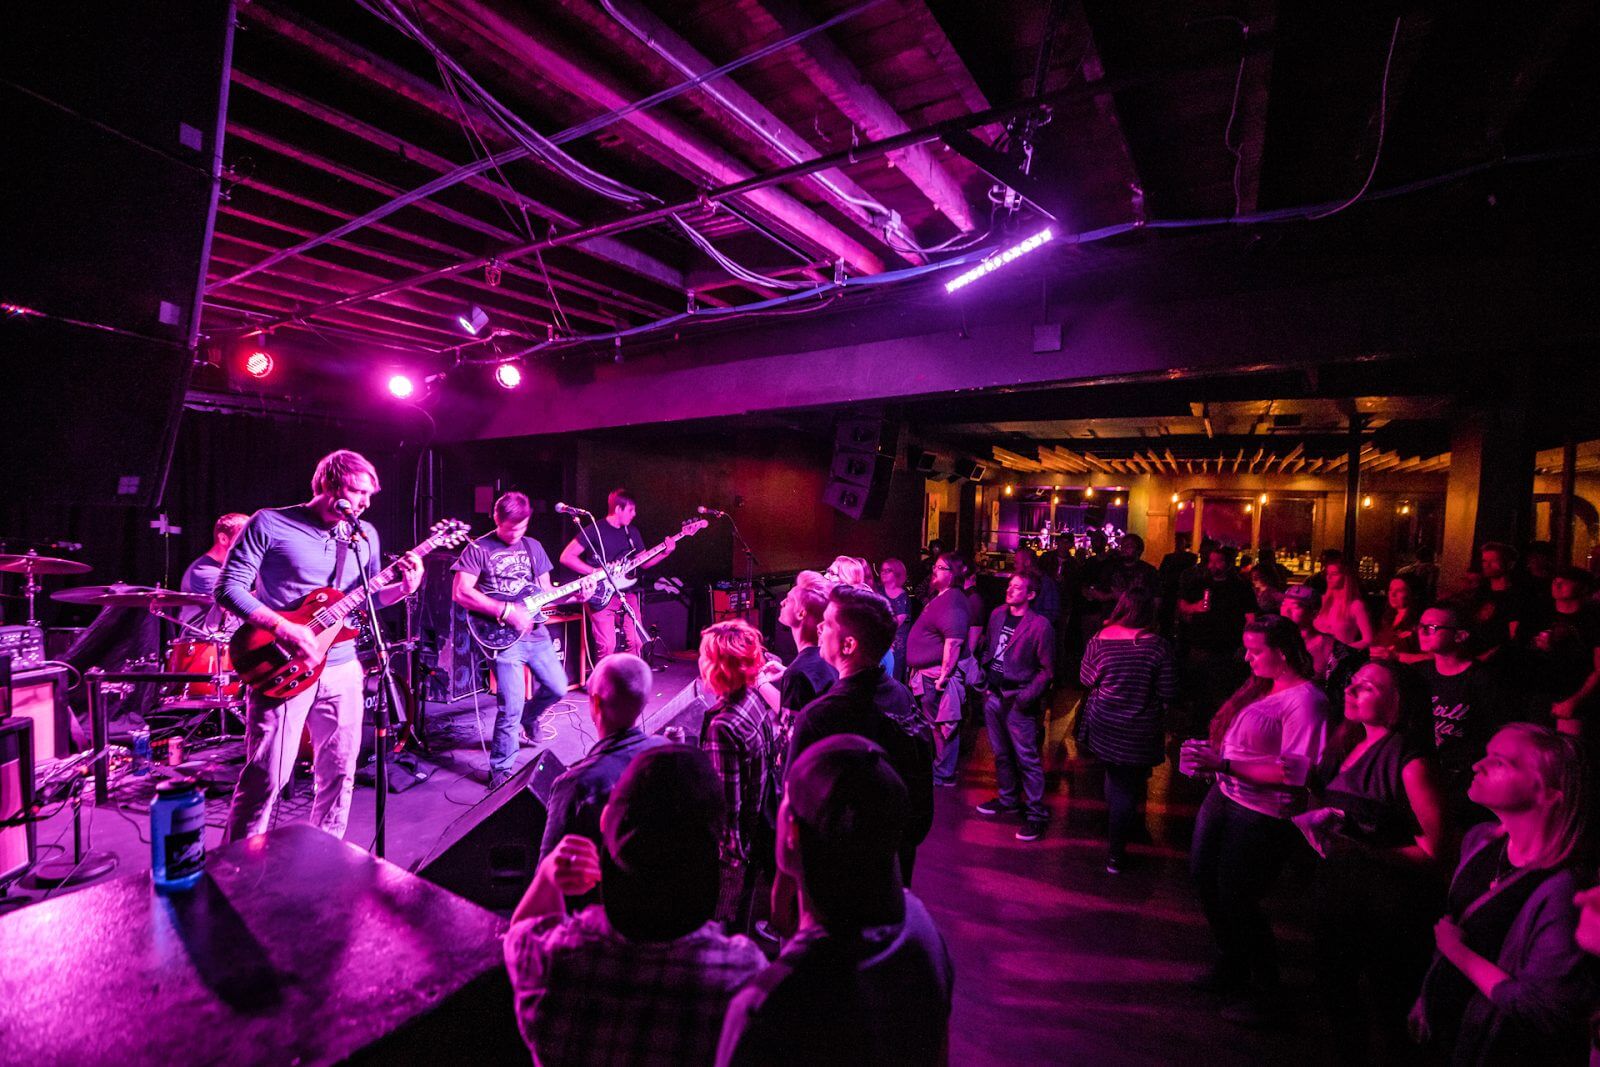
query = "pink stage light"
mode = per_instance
[
  {"x": 508, "y": 375},
  {"x": 401, "y": 387},
  {"x": 998, "y": 260},
  {"x": 258, "y": 364}
]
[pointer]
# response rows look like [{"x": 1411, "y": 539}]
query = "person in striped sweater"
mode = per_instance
[{"x": 1131, "y": 675}]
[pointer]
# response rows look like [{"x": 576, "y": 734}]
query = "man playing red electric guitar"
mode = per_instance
[{"x": 281, "y": 555}]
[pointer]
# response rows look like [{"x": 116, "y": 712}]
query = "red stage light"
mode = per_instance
[
  {"x": 401, "y": 387},
  {"x": 258, "y": 364}
]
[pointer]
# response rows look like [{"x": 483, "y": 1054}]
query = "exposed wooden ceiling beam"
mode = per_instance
[
  {"x": 836, "y": 75},
  {"x": 521, "y": 39},
  {"x": 237, "y": 218},
  {"x": 748, "y": 113},
  {"x": 350, "y": 58}
]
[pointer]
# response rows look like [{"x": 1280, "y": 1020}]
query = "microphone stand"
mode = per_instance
[
  {"x": 381, "y": 722},
  {"x": 606, "y": 568}
]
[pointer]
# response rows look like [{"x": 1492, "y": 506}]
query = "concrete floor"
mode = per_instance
[{"x": 1056, "y": 961}]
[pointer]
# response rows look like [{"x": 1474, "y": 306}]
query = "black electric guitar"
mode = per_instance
[
  {"x": 496, "y": 636},
  {"x": 621, "y": 570}
]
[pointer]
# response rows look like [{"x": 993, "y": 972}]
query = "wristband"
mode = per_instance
[{"x": 505, "y": 610}]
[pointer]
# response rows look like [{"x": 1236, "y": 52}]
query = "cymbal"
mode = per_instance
[
  {"x": 35, "y": 564},
  {"x": 132, "y": 596}
]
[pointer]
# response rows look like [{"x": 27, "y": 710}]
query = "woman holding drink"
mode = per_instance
[{"x": 1263, "y": 742}]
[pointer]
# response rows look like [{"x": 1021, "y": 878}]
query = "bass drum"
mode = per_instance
[{"x": 189, "y": 656}]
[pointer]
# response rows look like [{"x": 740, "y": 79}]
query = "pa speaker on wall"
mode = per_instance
[
  {"x": 861, "y": 468},
  {"x": 857, "y": 501},
  {"x": 919, "y": 461},
  {"x": 969, "y": 469},
  {"x": 866, "y": 435}
]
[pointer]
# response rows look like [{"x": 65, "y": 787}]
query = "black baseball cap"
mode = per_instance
[
  {"x": 851, "y": 810},
  {"x": 659, "y": 866}
]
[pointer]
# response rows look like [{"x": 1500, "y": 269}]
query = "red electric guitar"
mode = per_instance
[{"x": 267, "y": 668}]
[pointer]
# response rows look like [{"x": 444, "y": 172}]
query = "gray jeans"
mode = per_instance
[
  {"x": 1017, "y": 735},
  {"x": 332, "y": 709}
]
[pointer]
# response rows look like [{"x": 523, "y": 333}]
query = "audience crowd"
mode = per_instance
[{"x": 1417, "y": 762}]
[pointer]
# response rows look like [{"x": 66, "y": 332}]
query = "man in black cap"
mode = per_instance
[
  {"x": 867, "y": 978},
  {"x": 646, "y": 976}
]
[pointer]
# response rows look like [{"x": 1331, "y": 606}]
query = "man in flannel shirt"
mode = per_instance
[{"x": 645, "y": 977}]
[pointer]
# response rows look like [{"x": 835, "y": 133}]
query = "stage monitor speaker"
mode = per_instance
[
  {"x": 858, "y": 501},
  {"x": 686, "y": 711},
  {"x": 18, "y": 844},
  {"x": 489, "y": 854},
  {"x": 866, "y": 435}
]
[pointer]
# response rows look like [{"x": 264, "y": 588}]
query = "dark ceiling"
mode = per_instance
[{"x": 1209, "y": 111}]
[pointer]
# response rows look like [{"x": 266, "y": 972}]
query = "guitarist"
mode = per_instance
[
  {"x": 281, "y": 555},
  {"x": 618, "y": 537},
  {"x": 494, "y": 571}
]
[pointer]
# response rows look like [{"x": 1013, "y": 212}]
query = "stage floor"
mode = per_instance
[{"x": 1056, "y": 961}]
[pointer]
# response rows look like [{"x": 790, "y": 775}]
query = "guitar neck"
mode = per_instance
[{"x": 334, "y": 614}]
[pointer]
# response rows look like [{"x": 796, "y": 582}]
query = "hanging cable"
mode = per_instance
[{"x": 1383, "y": 116}]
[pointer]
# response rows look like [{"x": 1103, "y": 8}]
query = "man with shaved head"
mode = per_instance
[{"x": 619, "y": 688}]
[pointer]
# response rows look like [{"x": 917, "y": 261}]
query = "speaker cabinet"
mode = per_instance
[
  {"x": 17, "y": 843},
  {"x": 858, "y": 501},
  {"x": 866, "y": 435},
  {"x": 490, "y": 852},
  {"x": 41, "y": 698}
]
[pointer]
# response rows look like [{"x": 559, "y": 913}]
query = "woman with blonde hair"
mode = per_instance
[
  {"x": 737, "y": 733},
  {"x": 1508, "y": 981},
  {"x": 1344, "y": 615}
]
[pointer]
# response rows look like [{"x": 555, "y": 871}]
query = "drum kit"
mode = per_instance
[{"x": 200, "y": 649}]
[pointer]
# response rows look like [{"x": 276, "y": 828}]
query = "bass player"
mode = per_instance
[
  {"x": 494, "y": 572},
  {"x": 585, "y": 555},
  {"x": 281, "y": 555}
]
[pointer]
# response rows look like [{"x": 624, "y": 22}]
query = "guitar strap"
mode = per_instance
[{"x": 341, "y": 549}]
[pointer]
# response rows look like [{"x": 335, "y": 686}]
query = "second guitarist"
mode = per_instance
[
  {"x": 498, "y": 568},
  {"x": 618, "y": 537}
]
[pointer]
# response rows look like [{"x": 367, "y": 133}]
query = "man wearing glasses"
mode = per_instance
[{"x": 1466, "y": 708}]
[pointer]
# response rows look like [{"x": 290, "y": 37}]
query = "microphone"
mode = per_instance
[
  {"x": 713, "y": 512},
  {"x": 568, "y": 509},
  {"x": 350, "y": 523}
]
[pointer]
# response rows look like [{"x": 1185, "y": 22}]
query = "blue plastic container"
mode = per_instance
[{"x": 177, "y": 835}]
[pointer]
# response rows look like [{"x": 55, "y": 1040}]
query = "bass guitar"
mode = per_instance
[
  {"x": 495, "y": 636},
  {"x": 622, "y": 578},
  {"x": 273, "y": 672}
]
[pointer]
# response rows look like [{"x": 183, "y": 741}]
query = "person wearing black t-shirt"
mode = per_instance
[
  {"x": 493, "y": 575},
  {"x": 1564, "y": 643},
  {"x": 1465, "y": 703},
  {"x": 603, "y": 544},
  {"x": 808, "y": 675},
  {"x": 1212, "y": 604}
]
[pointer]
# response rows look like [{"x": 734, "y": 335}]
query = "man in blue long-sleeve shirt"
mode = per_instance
[{"x": 281, "y": 555}]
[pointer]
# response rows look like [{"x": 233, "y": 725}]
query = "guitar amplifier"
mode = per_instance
[
  {"x": 734, "y": 600},
  {"x": 24, "y": 644}
]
